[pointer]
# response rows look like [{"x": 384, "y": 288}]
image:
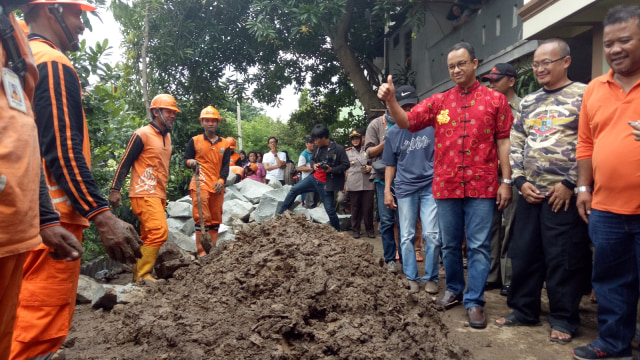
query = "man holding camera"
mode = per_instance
[{"x": 329, "y": 162}]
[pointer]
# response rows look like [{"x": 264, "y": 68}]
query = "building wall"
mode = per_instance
[{"x": 493, "y": 30}]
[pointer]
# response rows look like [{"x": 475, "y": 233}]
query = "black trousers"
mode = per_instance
[
  {"x": 551, "y": 247},
  {"x": 362, "y": 210}
]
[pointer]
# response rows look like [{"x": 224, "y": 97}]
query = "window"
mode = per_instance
[
  {"x": 396, "y": 41},
  {"x": 497, "y": 25},
  {"x": 407, "y": 45},
  {"x": 515, "y": 17},
  {"x": 484, "y": 39}
]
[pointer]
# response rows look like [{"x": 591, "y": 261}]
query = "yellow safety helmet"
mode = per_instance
[
  {"x": 164, "y": 101},
  {"x": 209, "y": 113}
]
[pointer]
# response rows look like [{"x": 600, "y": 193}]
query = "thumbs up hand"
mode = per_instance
[{"x": 386, "y": 91}]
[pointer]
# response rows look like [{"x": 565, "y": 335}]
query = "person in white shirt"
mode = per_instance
[{"x": 274, "y": 162}]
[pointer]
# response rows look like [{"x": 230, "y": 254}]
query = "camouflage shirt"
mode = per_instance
[{"x": 544, "y": 137}]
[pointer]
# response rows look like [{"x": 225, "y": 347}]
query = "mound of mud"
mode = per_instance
[{"x": 287, "y": 289}]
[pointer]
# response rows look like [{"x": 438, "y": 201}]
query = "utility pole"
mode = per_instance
[{"x": 239, "y": 125}]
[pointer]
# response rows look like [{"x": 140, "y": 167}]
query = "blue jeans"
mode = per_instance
[
  {"x": 311, "y": 184},
  {"x": 407, "y": 217},
  {"x": 616, "y": 264},
  {"x": 473, "y": 217},
  {"x": 387, "y": 219}
]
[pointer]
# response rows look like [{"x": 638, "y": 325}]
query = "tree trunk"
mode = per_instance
[
  {"x": 350, "y": 64},
  {"x": 145, "y": 45}
]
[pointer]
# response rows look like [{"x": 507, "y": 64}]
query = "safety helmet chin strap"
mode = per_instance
[
  {"x": 56, "y": 11},
  {"x": 163, "y": 120}
]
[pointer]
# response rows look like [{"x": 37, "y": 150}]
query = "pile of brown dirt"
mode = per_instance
[{"x": 286, "y": 289}]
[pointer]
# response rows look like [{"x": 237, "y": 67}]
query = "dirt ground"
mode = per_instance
[{"x": 290, "y": 289}]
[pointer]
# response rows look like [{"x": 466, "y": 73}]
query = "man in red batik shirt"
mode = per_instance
[{"x": 472, "y": 125}]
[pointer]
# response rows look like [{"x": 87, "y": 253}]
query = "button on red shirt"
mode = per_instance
[{"x": 467, "y": 125}]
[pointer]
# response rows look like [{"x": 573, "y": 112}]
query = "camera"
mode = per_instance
[{"x": 324, "y": 166}]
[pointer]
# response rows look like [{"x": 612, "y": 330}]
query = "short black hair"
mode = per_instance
[
  {"x": 464, "y": 45},
  {"x": 254, "y": 153},
  {"x": 320, "y": 131},
  {"x": 621, "y": 14},
  {"x": 274, "y": 138}
]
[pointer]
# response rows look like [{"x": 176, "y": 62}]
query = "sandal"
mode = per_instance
[
  {"x": 418, "y": 256},
  {"x": 511, "y": 321},
  {"x": 558, "y": 340}
]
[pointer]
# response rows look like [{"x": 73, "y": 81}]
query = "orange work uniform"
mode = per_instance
[
  {"x": 48, "y": 294},
  {"x": 233, "y": 159},
  {"x": 213, "y": 157},
  {"x": 149, "y": 153},
  {"x": 19, "y": 183}
]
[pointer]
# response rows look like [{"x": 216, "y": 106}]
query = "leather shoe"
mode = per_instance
[
  {"x": 491, "y": 286},
  {"x": 355, "y": 235},
  {"x": 505, "y": 290},
  {"x": 477, "y": 320},
  {"x": 448, "y": 300}
]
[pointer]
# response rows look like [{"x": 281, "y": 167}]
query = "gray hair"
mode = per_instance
[{"x": 464, "y": 45}]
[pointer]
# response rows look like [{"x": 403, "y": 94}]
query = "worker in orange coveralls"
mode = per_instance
[
  {"x": 48, "y": 294},
  {"x": 149, "y": 153},
  {"x": 211, "y": 154},
  {"x": 235, "y": 157},
  {"x": 22, "y": 225}
]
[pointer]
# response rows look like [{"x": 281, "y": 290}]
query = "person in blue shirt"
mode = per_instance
[{"x": 408, "y": 158}]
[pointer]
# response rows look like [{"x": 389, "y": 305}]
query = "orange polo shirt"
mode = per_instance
[{"x": 604, "y": 136}]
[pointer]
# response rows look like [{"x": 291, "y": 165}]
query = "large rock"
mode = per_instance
[
  {"x": 184, "y": 225},
  {"x": 170, "y": 258},
  {"x": 225, "y": 237},
  {"x": 271, "y": 202},
  {"x": 86, "y": 288},
  {"x": 252, "y": 190},
  {"x": 276, "y": 184},
  {"x": 176, "y": 209},
  {"x": 236, "y": 209},
  {"x": 319, "y": 215},
  {"x": 104, "y": 298},
  {"x": 301, "y": 210},
  {"x": 187, "y": 199},
  {"x": 185, "y": 242},
  {"x": 232, "y": 193},
  {"x": 107, "y": 296},
  {"x": 345, "y": 222}
]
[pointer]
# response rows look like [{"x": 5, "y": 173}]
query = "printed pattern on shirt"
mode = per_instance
[{"x": 545, "y": 135}]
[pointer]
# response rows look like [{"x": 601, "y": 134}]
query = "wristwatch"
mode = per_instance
[
  {"x": 580, "y": 189},
  {"x": 507, "y": 181}
]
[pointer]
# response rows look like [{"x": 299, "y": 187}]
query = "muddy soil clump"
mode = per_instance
[{"x": 286, "y": 289}]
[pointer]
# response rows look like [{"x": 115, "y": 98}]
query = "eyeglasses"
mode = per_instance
[
  {"x": 546, "y": 63},
  {"x": 459, "y": 65}
]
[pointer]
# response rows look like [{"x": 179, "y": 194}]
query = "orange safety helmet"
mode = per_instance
[
  {"x": 209, "y": 113},
  {"x": 84, "y": 6},
  {"x": 232, "y": 142},
  {"x": 162, "y": 101}
]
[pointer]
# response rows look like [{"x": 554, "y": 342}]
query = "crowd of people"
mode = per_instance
[
  {"x": 528, "y": 186},
  {"x": 559, "y": 150}
]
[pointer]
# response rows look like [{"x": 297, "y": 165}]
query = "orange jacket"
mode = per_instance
[
  {"x": 19, "y": 162},
  {"x": 213, "y": 158},
  {"x": 64, "y": 136},
  {"x": 149, "y": 152},
  {"x": 233, "y": 159}
]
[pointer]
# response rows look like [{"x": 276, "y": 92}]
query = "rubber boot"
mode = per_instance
[
  {"x": 201, "y": 251},
  {"x": 214, "y": 236},
  {"x": 145, "y": 264}
]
